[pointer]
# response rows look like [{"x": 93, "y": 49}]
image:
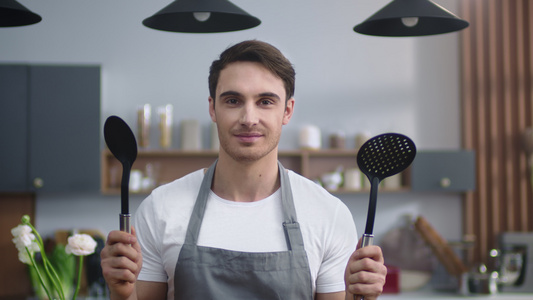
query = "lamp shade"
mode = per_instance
[
  {"x": 411, "y": 18},
  {"x": 201, "y": 16},
  {"x": 13, "y": 13}
]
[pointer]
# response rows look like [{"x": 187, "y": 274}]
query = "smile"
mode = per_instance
[{"x": 248, "y": 137}]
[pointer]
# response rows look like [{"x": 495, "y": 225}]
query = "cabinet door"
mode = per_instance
[
  {"x": 64, "y": 128},
  {"x": 13, "y": 127},
  {"x": 452, "y": 171}
]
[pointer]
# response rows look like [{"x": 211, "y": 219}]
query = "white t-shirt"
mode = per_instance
[{"x": 327, "y": 227}]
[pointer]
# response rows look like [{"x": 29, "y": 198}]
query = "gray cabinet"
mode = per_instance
[
  {"x": 50, "y": 128},
  {"x": 443, "y": 171}
]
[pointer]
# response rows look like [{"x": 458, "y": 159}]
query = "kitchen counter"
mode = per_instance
[{"x": 430, "y": 295}]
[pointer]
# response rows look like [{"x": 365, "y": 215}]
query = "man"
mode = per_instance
[{"x": 245, "y": 228}]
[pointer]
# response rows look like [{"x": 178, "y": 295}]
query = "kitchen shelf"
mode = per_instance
[{"x": 173, "y": 164}]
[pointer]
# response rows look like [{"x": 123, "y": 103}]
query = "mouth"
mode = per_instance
[{"x": 248, "y": 137}]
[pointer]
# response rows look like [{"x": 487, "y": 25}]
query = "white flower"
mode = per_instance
[
  {"x": 23, "y": 236},
  {"x": 25, "y": 239},
  {"x": 80, "y": 245},
  {"x": 20, "y": 230},
  {"x": 24, "y": 257}
]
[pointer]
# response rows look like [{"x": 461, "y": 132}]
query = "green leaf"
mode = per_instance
[{"x": 65, "y": 266}]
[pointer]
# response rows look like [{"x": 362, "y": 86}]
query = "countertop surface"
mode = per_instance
[{"x": 452, "y": 296}]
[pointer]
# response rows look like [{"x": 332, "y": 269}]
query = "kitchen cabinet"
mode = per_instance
[
  {"x": 443, "y": 171},
  {"x": 173, "y": 164},
  {"x": 50, "y": 127}
]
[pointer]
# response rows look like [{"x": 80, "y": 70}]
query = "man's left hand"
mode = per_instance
[{"x": 365, "y": 273}]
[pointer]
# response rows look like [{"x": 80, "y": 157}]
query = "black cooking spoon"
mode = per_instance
[
  {"x": 121, "y": 142},
  {"x": 380, "y": 157}
]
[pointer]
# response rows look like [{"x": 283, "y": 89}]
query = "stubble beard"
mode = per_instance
[{"x": 249, "y": 152}]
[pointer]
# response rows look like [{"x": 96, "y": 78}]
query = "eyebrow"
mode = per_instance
[
  {"x": 265, "y": 94},
  {"x": 229, "y": 93},
  {"x": 269, "y": 94}
]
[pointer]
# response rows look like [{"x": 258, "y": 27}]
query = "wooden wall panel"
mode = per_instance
[
  {"x": 497, "y": 107},
  {"x": 14, "y": 279}
]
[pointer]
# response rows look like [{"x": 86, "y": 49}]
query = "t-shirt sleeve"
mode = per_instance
[
  {"x": 146, "y": 229},
  {"x": 341, "y": 243}
]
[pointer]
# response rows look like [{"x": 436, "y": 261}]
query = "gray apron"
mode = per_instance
[{"x": 212, "y": 273}]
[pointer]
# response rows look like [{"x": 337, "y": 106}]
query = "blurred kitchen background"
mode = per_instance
[{"x": 346, "y": 82}]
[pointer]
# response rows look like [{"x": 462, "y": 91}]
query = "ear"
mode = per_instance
[
  {"x": 212, "y": 109},
  {"x": 289, "y": 108}
]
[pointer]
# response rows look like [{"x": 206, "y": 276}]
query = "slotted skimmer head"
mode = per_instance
[{"x": 385, "y": 155}]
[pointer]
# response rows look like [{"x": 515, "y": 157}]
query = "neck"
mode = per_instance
[{"x": 246, "y": 181}]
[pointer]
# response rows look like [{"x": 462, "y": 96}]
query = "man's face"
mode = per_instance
[{"x": 249, "y": 110}]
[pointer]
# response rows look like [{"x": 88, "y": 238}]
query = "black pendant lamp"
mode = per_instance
[
  {"x": 201, "y": 16},
  {"x": 13, "y": 14},
  {"x": 411, "y": 18}
]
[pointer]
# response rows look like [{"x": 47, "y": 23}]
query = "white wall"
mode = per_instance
[{"x": 345, "y": 81}]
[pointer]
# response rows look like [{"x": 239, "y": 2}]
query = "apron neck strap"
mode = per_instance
[
  {"x": 290, "y": 224},
  {"x": 287, "y": 202}
]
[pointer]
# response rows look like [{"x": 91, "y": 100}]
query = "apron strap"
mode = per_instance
[
  {"x": 287, "y": 203},
  {"x": 195, "y": 222},
  {"x": 291, "y": 227}
]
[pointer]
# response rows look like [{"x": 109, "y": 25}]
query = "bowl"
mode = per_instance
[{"x": 411, "y": 280}]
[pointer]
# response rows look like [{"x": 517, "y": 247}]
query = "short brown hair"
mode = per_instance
[{"x": 254, "y": 51}]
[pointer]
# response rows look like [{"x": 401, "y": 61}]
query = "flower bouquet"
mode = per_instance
[{"x": 54, "y": 275}]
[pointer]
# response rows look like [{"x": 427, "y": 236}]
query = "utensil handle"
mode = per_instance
[
  {"x": 372, "y": 205},
  {"x": 125, "y": 224},
  {"x": 125, "y": 188},
  {"x": 368, "y": 240}
]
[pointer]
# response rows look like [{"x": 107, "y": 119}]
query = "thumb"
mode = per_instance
[{"x": 359, "y": 243}]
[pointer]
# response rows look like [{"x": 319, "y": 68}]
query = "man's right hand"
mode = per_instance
[{"x": 121, "y": 262}]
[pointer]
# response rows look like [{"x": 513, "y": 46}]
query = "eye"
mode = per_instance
[
  {"x": 266, "y": 101},
  {"x": 232, "y": 100}
]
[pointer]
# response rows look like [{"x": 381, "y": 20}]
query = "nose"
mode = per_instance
[{"x": 249, "y": 115}]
